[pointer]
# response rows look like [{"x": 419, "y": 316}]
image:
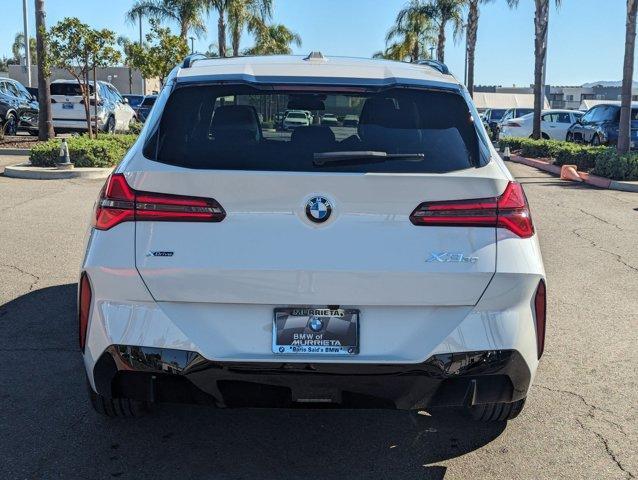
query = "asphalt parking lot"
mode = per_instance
[{"x": 580, "y": 421}]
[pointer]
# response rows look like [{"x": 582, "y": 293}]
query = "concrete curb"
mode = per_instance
[
  {"x": 589, "y": 179},
  {"x": 14, "y": 151},
  {"x": 26, "y": 171}
]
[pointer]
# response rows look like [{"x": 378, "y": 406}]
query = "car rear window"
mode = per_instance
[
  {"x": 68, "y": 89},
  {"x": 235, "y": 127}
]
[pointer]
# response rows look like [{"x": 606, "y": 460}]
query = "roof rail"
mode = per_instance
[
  {"x": 440, "y": 66},
  {"x": 192, "y": 58}
]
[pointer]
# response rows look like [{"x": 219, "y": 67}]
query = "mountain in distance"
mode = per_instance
[{"x": 605, "y": 83}]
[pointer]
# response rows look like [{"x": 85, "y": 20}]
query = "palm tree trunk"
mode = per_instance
[
  {"x": 236, "y": 34},
  {"x": 624, "y": 134},
  {"x": 440, "y": 47},
  {"x": 415, "y": 52},
  {"x": 541, "y": 22},
  {"x": 183, "y": 30},
  {"x": 45, "y": 121},
  {"x": 221, "y": 34},
  {"x": 472, "y": 29}
]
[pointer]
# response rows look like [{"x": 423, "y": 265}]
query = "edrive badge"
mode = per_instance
[{"x": 318, "y": 209}]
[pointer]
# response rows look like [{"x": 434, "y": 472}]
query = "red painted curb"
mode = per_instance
[{"x": 588, "y": 178}]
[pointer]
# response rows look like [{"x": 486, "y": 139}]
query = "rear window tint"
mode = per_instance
[
  {"x": 68, "y": 89},
  {"x": 240, "y": 127}
]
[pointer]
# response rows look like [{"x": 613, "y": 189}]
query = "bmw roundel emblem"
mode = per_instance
[
  {"x": 318, "y": 209},
  {"x": 315, "y": 324}
]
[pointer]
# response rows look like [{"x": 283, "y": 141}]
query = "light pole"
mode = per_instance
[
  {"x": 27, "y": 47},
  {"x": 431, "y": 52},
  {"x": 192, "y": 44}
]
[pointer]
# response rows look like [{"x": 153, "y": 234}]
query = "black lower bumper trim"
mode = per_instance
[{"x": 466, "y": 378}]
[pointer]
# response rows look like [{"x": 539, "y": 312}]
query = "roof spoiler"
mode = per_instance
[
  {"x": 192, "y": 58},
  {"x": 440, "y": 66}
]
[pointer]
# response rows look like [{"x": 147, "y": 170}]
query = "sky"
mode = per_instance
[{"x": 586, "y": 37}]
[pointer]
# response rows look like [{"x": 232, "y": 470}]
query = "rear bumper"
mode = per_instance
[{"x": 454, "y": 379}]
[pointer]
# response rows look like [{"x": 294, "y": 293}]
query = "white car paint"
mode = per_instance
[
  {"x": 216, "y": 294},
  {"x": 554, "y": 124},
  {"x": 68, "y": 110}
]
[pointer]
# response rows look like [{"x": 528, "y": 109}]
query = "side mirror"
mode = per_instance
[{"x": 126, "y": 101}]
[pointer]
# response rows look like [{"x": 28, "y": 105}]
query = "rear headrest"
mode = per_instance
[
  {"x": 314, "y": 137},
  {"x": 388, "y": 113},
  {"x": 236, "y": 120}
]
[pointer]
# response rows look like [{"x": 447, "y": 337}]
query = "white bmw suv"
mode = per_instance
[{"x": 389, "y": 264}]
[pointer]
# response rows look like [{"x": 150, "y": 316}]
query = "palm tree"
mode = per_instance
[
  {"x": 412, "y": 31},
  {"x": 247, "y": 13},
  {"x": 541, "y": 23},
  {"x": 274, "y": 40},
  {"x": 189, "y": 14},
  {"x": 221, "y": 7},
  {"x": 624, "y": 133},
  {"x": 445, "y": 11},
  {"x": 472, "y": 30},
  {"x": 18, "y": 48},
  {"x": 45, "y": 121}
]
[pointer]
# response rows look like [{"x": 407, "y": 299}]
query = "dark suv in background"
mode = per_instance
[
  {"x": 18, "y": 108},
  {"x": 599, "y": 126}
]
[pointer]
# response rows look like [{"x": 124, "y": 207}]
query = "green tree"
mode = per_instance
[
  {"x": 102, "y": 45},
  {"x": 411, "y": 33},
  {"x": 274, "y": 40},
  {"x": 624, "y": 134},
  {"x": 189, "y": 14},
  {"x": 250, "y": 14},
  {"x": 162, "y": 53},
  {"x": 75, "y": 47},
  {"x": 541, "y": 24},
  {"x": 18, "y": 48}
]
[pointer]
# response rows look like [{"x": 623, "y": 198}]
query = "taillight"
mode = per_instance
[
  {"x": 509, "y": 211},
  {"x": 119, "y": 203},
  {"x": 84, "y": 306},
  {"x": 540, "y": 311}
]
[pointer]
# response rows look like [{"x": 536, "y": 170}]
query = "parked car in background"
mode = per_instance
[
  {"x": 491, "y": 117},
  {"x": 67, "y": 107},
  {"x": 508, "y": 115},
  {"x": 145, "y": 107},
  {"x": 329, "y": 119},
  {"x": 296, "y": 118},
  {"x": 350, "y": 121},
  {"x": 554, "y": 124},
  {"x": 18, "y": 108},
  {"x": 599, "y": 126}
]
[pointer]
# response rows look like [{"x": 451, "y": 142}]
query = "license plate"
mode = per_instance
[
  {"x": 309, "y": 330},
  {"x": 67, "y": 106}
]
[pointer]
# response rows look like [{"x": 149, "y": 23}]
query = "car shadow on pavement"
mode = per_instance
[{"x": 46, "y": 408}]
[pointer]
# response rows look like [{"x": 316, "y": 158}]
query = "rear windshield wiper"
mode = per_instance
[{"x": 356, "y": 157}]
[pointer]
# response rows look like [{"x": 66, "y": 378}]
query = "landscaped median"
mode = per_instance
[
  {"x": 600, "y": 166},
  {"x": 91, "y": 158}
]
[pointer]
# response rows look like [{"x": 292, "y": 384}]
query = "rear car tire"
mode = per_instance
[
  {"x": 496, "y": 412},
  {"x": 110, "y": 125},
  {"x": 10, "y": 124},
  {"x": 595, "y": 140},
  {"x": 117, "y": 407}
]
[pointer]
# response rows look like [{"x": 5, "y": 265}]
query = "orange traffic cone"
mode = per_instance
[{"x": 569, "y": 172}]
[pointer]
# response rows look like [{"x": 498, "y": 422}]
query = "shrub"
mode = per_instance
[
  {"x": 617, "y": 167},
  {"x": 105, "y": 151},
  {"x": 135, "y": 128},
  {"x": 601, "y": 160}
]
